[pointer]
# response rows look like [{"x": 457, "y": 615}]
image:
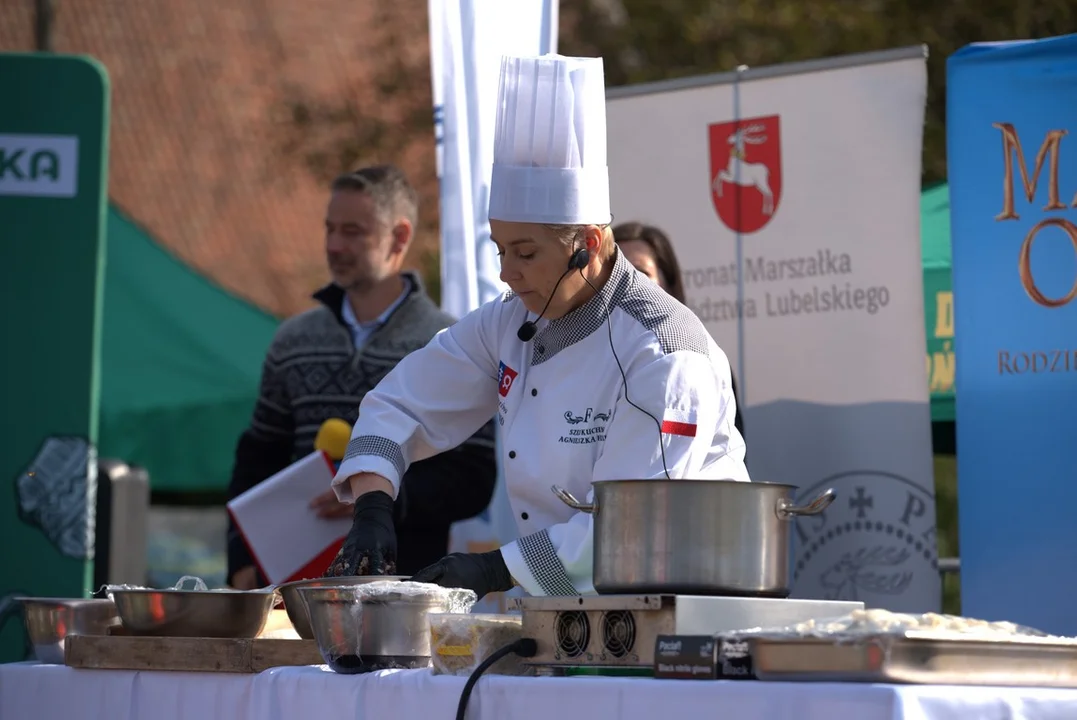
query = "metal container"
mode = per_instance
[
  {"x": 693, "y": 537},
  {"x": 194, "y": 613},
  {"x": 49, "y": 621},
  {"x": 297, "y": 609},
  {"x": 358, "y": 632},
  {"x": 917, "y": 659}
]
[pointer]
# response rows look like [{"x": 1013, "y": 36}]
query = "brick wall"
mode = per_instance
[{"x": 228, "y": 118}]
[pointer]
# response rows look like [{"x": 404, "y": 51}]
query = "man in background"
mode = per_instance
[{"x": 322, "y": 362}]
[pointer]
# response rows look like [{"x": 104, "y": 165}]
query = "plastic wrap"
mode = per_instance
[
  {"x": 198, "y": 586},
  {"x": 461, "y": 642},
  {"x": 457, "y": 600},
  {"x": 341, "y": 618}
]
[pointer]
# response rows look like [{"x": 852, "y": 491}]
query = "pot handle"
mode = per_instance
[
  {"x": 786, "y": 507},
  {"x": 569, "y": 499}
]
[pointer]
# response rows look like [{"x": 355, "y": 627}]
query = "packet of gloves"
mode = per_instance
[{"x": 459, "y": 643}]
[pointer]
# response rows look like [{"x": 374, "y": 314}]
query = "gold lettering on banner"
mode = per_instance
[
  {"x": 1011, "y": 145},
  {"x": 1024, "y": 263},
  {"x": 944, "y": 314},
  {"x": 941, "y": 370},
  {"x": 940, "y": 365}
]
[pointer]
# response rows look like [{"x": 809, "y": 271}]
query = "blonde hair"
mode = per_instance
[{"x": 568, "y": 234}]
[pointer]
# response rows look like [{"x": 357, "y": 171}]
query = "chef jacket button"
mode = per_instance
[
  {"x": 512, "y": 453},
  {"x": 523, "y": 516},
  {"x": 534, "y": 392}
]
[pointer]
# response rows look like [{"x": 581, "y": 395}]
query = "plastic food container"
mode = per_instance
[{"x": 461, "y": 642}]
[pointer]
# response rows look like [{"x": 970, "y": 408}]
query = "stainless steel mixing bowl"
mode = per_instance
[
  {"x": 50, "y": 621},
  {"x": 297, "y": 609},
  {"x": 194, "y": 613},
  {"x": 358, "y": 633}
]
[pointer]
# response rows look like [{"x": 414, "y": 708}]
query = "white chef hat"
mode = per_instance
[{"x": 550, "y": 142}]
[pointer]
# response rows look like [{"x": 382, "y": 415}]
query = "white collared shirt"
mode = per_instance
[{"x": 561, "y": 405}]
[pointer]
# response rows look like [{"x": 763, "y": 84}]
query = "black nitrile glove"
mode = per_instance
[
  {"x": 370, "y": 548},
  {"x": 482, "y": 572}
]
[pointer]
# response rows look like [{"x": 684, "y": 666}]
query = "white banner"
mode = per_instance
[
  {"x": 467, "y": 40},
  {"x": 792, "y": 197}
]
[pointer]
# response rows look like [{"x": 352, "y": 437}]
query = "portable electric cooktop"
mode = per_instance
[{"x": 619, "y": 631}]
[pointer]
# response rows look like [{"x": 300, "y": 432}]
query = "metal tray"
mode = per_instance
[{"x": 915, "y": 660}]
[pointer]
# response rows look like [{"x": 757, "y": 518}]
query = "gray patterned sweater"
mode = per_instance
[{"x": 313, "y": 372}]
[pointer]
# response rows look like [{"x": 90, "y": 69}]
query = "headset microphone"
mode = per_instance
[
  {"x": 527, "y": 331},
  {"x": 578, "y": 261}
]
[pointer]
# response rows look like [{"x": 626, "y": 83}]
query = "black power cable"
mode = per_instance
[{"x": 524, "y": 647}]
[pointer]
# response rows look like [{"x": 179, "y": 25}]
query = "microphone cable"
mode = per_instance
[
  {"x": 530, "y": 327},
  {"x": 624, "y": 378}
]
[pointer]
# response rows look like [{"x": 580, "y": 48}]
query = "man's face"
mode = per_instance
[{"x": 362, "y": 249}]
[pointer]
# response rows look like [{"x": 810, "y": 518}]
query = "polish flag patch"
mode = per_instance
[
  {"x": 679, "y": 422},
  {"x": 505, "y": 377}
]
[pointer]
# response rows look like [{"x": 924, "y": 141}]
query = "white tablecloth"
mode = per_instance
[{"x": 54, "y": 692}]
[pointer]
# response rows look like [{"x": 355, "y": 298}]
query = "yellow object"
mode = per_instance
[
  {"x": 333, "y": 438},
  {"x": 462, "y": 641},
  {"x": 455, "y": 650}
]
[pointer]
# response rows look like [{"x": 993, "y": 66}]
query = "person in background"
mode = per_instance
[
  {"x": 651, "y": 252},
  {"x": 321, "y": 364}
]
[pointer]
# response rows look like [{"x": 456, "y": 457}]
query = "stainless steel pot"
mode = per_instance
[
  {"x": 357, "y": 631},
  {"x": 297, "y": 609},
  {"x": 693, "y": 537}
]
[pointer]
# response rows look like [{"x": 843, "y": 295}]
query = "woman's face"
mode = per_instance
[
  {"x": 640, "y": 254},
  {"x": 533, "y": 259}
]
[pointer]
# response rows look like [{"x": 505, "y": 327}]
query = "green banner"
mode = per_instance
[
  {"x": 53, "y": 200},
  {"x": 938, "y": 299},
  {"x": 939, "y": 316}
]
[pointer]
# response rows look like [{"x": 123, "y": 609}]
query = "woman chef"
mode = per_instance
[{"x": 594, "y": 373}]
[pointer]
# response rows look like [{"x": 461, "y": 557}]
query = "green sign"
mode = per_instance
[
  {"x": 53, "y": 199},
  {"x": 938, "y": 300},
  {"x": 939, "y": 314}
]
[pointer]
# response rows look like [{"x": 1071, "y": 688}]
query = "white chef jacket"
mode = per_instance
[{"x": 564, "y": 417}]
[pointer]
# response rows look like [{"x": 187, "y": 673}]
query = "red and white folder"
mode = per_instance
[{"x": 286, "y": 538}]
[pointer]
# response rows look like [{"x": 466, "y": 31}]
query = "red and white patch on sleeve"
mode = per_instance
[{"x": 679, "y": 422}]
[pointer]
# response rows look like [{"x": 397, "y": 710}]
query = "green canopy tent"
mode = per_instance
[
  {"x": 938, "y": 300},
  {"x": 181, "y": 361}
]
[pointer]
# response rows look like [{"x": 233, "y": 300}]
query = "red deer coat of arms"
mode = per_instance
[{"x": 746, "y": 171}]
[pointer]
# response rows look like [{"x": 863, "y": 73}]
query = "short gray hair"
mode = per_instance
[{"x": 388, "y": 187}]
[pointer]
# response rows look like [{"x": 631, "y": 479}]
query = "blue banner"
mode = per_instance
[{"x": 1012, "y": 154}]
